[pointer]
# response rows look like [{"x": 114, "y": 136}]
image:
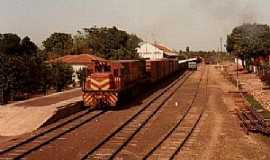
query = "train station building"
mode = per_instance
[{"x": 155, "y": 51}]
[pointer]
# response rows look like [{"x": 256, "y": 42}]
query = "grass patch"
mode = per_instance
[
  {"x": 253, "y": 102},
  {"x": 266, "y": 114},
  {"x": 257, "y": 106}
]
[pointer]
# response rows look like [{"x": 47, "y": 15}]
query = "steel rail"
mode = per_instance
[{"x": 105, "y": 140}]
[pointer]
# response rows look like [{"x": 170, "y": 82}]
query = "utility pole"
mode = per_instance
[
  {"x": 217, "y": 55},
  {"x": 220, "y": 41},
  {"x": 237, "y": 76}
]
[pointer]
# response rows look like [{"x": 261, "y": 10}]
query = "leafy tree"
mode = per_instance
[
  {"x": 79, "y": 43},
  {"x": 59, "y": 42},
  {"x": 28, "y": 46},
  {"x": 111, "y": 43},
  {"x": 187, "y": 49},
  {"x": 81, "y": 75},
  {"x": 21, "y": 66},
  {"x": 7, "y": 76},
  {"x": 62, "y": 76},
  {"x": 249, "y": 40},
  {"x": 9, "y": 47},
  {"x": 46, "y": 77},
  {"x": 9, "y": 43}
]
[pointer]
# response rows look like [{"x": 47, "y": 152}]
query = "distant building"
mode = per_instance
[
  {"x": 77, "y": 62},
  {"x": 155, "y": 51}
]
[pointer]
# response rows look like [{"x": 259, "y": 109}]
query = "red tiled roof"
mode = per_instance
[
  {"x": 163, "y": 48},
  {"x": 78, "y": 59}
]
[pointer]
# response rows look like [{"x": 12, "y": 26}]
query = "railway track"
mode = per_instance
[
  {"x": 26, "y": 146},
  {"x": 111, "y": 145},
  {"x": 42, "y": 138},
  {"x": 250, "y": 119},
  {"x": 170, "y": 145}
]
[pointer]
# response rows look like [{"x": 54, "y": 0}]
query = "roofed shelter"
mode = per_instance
[{"x": 77, "y": 62}]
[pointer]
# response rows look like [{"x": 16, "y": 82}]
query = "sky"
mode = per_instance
[{"x": 175, "y": 23}]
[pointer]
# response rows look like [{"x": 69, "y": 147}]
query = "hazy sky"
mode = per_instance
[{"x": 175, "y": 23}]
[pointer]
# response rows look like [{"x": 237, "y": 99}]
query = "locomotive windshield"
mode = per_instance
[{"x": 102, "y": 67}]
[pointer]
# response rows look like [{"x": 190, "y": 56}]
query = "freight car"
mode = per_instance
[
  {"x": 109, "y": 82},
  {"x": 159, "y": 69}
]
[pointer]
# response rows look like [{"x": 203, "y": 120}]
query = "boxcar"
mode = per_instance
[{"x": 159, "y": 69}]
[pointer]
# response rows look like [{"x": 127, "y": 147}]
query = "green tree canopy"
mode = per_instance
[
  {"x": 187, "y": 49},
  {"x": 110, "y": 43},
  {"x": 249, "y": 40},
  {"x": 23, "y": 67},
  {"x": 28, "y": 46},
  {"x": 62, "y": 76},
  {"x": 9, "y": 43},
  {"x": 58, "y": 42},
  {"x": 79, "y": 43}
]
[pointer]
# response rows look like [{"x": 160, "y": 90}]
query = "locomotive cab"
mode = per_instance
[
  {"x": 102, "y": 76},
  {"x": 102, "y": 83},
  {"x": 101, "y": 79}
]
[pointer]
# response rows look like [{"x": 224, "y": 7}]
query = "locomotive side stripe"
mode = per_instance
[
  {"x": 112, "y": 101},
  {"x": 103, "y": 85},
  {"x": 94, "y": 87},
  {"x": 85, "y": 96},
  {"x": 88, "y": 98},
  {"x": 99, "y": 83},
  {"x": 100, "y": 88},
  {"x": 89, "y": 101},
  {"x": 106, "y": 87},
  {"x": 113, "y": 98}
]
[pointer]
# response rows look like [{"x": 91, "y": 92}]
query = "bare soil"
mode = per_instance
[
  {"x": 26, "y": 116},
  {"x": 78, "y": 143},
  {"x": 219, "y": 135}
]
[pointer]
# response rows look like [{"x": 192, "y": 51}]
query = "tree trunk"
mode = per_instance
[
  {"x": 5, "y": 96},
  {"x": 44, "y": 90}
]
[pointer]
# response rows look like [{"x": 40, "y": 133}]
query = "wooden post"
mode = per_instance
[{"x": 237, "y": 80}]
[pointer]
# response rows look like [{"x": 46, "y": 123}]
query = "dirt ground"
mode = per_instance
[
  {"x": 87, "y": 136},
  {"x": 26, "y": 116},
  {"x": 219, "y": 136},
  {"x": 251, "y": 83}
]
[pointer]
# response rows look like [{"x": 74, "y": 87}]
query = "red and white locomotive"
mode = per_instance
[{"x": 108, "y": 82}]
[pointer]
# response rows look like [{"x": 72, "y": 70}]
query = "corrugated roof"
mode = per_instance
[
  {"x": 78, "y": 59},
  {"x": 163, "y": 48}
]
